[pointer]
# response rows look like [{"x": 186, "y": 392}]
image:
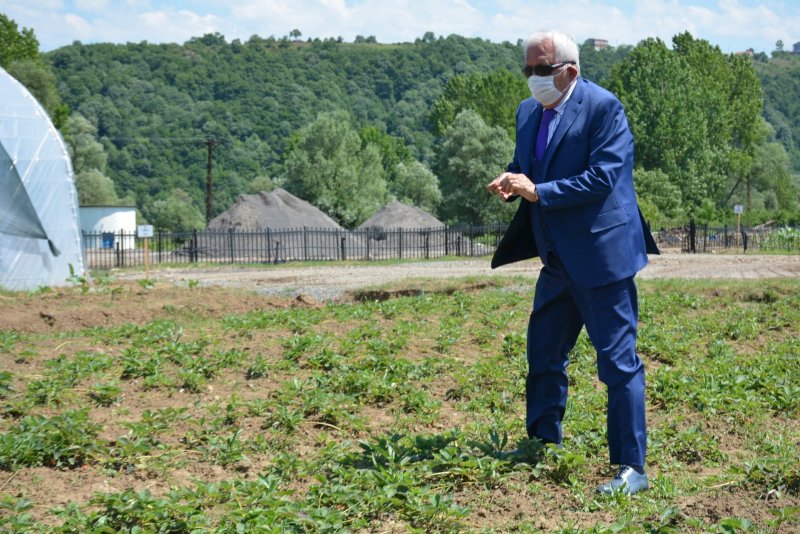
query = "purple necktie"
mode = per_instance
[{"x": 541, "y": 137}]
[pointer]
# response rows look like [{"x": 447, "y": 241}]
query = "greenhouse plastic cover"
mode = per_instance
[{"x": 39, "y": 227}]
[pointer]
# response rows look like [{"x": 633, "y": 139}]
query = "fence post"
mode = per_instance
[
  {"x": 744, "y": 240},
  {"x": 193, "y": 249},
  {"x": 705, "y": 237},
  {"x": 269, "y": 248},
  {"x": 427, "y": 244},
  {"x": 400, "y": 243},
  {"x": 446, "y": 240},
  {"x": 692, "y": 236},
  {"x": 159, "y": 245},
  {"x": 84, "y": 247},
  {"x": 471, "y": 240},
  {"x": 725, "y": 233},
  {"x": 369, "y": 235},
  {"x": 344, "y": 254},
  {"x": 305, "y": 243},
  {"x": 277, "y": 251},
  {"x": 230, "y": 243}
]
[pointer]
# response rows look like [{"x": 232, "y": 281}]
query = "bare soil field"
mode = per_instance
[
  {"x": 45, "y": 324},
  {"x": 325, "y": 282}
]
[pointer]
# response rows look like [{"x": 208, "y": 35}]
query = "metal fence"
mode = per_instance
[
  {"x": 108, "y": 250},
  {"x": 703, "y": 238}
]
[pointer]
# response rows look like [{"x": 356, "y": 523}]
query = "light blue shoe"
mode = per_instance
[{"x": 627, "y": 480}]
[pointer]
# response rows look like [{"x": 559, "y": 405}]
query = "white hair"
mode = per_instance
[{"x": 564, "y": 47}]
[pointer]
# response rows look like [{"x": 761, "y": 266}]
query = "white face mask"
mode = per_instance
[{"x": 543, "y": 89}]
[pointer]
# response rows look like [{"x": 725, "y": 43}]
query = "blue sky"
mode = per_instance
[{"x": 733, "y": 25}]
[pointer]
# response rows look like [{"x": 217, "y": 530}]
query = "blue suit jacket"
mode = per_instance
[{"x": 587, "y": 214}]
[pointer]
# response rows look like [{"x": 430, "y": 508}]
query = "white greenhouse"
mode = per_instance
[{"x": 39, "y": 230}]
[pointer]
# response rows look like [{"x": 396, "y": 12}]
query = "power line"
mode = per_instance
[
  {"x": 211, "y": 144},
  {"x": 199, "y": 140}
]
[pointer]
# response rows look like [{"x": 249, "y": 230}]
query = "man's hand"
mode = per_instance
[{"x": 509, "y": 184}]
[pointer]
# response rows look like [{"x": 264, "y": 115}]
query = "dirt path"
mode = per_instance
[{"x": 328, "y": 281}]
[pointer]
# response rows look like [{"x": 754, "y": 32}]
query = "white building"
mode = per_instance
[{"x": 108, "y": 226}]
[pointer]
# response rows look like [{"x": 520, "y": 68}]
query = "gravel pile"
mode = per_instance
[
  {"x": 398, "y": 215},
  {"x": 276, "y": 209},
  {"x": 400, "y": 230},
  {"x": 272, "y": 226}
]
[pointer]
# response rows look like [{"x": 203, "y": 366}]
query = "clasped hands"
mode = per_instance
[{"x": 509, "y": 184}]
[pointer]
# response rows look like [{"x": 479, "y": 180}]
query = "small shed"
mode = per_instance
[{"x": 108, "y": 226}]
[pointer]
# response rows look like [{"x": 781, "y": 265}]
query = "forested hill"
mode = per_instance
[
  {"x": 780, "y": 78},
  {"x": 155, "y": 108},
  {"x": 155, "y": 105}
]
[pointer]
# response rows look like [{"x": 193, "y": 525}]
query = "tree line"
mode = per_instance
[{"x": 350, "y": 126}]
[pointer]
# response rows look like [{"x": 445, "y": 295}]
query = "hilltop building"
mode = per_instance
[{"x": 598, "y": 44}]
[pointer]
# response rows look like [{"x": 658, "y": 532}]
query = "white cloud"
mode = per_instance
[
  {"x": 78, "y": 25},
  {"x": 176, "y": 26},
  {"x": 732, "y": 24},
  {"x": 389, "y": 20},
  {"x": 91, "y": 5}
]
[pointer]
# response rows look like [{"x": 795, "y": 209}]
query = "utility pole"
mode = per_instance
[
  {"x": 749, "y": 192},
  {"x": 211, "y": 144}
]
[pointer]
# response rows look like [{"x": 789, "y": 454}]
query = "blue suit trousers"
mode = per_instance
[{"x": 610, "y": 314}]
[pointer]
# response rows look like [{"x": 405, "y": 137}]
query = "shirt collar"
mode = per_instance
[{"x": 563, "y": 104}]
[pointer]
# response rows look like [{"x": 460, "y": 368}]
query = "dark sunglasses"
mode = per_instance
[{"x": 543, "y": 70}]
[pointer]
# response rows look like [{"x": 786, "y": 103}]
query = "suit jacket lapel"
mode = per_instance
[
  {"x": 573, "y": 108},
  {"x": 529, "y": 130}
]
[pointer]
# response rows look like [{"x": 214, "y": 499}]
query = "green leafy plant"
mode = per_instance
[
  {"x": 105, "y": 394},
  {"x": 78, "y": 281},
  {"x": 68, "y": 440}
]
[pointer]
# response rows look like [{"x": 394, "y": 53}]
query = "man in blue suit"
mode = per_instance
[{"x": 573, "y": 169}]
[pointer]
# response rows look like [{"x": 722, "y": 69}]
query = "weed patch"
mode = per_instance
[{"x": 394, "y": 411}]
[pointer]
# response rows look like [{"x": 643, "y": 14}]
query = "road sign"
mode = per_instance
[
  {"x": 738, "y": 209},
  {"x": 144, "y": 230}
]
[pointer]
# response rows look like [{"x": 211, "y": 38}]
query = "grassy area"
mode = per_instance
[{"x": 389, "y": 412}]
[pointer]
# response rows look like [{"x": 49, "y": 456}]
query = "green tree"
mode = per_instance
[
  {"x": 771, "y": 180},
  {"x": 154, "y": 104},
  {"x": 175, "y": 212},
  {"x": 41, "y": 82},
  {"x": 87, "y": 153},
  {"x": 19, "y": 55},
  {"x": 16, "y": 44},
  {"x": 780, "y": 79},
  {"x": 659, "y": 197},
  {"x": 494, "y": 96},
  {"x": 408, "y": 181},
  {"x": 262, "y": 183},
  {"x": 89, "y": 162},
  {"x": 471, "y": 155},
  {"x": 329, "y": 168},
  {"x": 95, "y": 189},
  {"x": 414, "y": 183},
  {"x": 596, "y": 64},
  {"x": 693, "y": 112},
  {"x": 393, "y": 149}
]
